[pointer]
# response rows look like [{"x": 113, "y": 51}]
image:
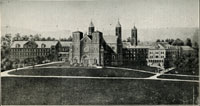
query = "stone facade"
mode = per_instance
[{"x": 95, "y": 49}]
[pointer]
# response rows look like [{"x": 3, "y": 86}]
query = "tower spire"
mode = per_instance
[
  {"x": 118, "y": 23},
  {"x": 91, "y": 28},
  {"x": 91, "y": 24}
]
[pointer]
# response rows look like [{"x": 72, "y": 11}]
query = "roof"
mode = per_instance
[
  {"x": 77, "y": 32},
  {"x": 110, "y": 38},
  {"x": 13, "y": 45},
  {"x": 65, "y": 43},
  {"x": 134, "y": 28},
  {"x": 39, "y": 43},
  {"x": 47, "y": 43},
  {"x": 129, "y": 46},
  {"x": 186, "y": 48}
]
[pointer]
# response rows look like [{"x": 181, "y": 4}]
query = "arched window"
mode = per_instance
[
  {"x": 43, "y": 46},
  {"x": 113, "y": 57},
  {"x": 17, "y": 45},
  {"x": 113, "y": 48},
  {"x": 95, "y": 61}
]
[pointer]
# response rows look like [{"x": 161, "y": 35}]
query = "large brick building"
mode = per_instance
[{"x": 32, "y": 49}]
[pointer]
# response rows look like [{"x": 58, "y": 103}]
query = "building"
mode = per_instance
[
  {"x": 96, "y": 49},
  {"x": 64, "y": 53},
  {"x": 135, "y": 55},
  {"x": 186, "y": 50},
  {"x": 162, "y": 54},
  {"x": 31, "y": 49}
]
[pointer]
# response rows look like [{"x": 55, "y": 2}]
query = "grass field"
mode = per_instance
[
  {"x": 93, "y": 72},
  {"x": 183, "y": 72},
  {"x": 51, "y": 91},
  {"x": 178, "y": 77}
]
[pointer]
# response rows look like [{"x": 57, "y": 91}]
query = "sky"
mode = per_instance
[{"x": 44, "y": 15}]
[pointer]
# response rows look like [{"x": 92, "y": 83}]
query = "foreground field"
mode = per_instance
[
  {"x": 51, "y": 91},
  {"x": 93, "y": 72}
]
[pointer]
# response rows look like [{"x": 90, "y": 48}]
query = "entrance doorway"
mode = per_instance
[{"x": 85, "y": 60}]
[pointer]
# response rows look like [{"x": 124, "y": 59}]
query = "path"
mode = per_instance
[
  {"x": 87, "y": 77},
  {"x": 6, "y": 73},
  {"x": 161, "y": 73}
]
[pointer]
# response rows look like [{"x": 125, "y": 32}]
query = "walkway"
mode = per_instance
[
  {"x": 161, "y": 73},
  {"x": 6, "y": 73}
]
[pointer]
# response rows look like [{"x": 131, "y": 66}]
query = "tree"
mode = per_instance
[
  {"x": 37, "y": 37},
  {"x": 40, "y": 59},
  {"x": 43, "y": 39},
  {"x": 158, "y": 40},
  {"x": 171, "y": 41},
  {"x": 17, "y": 37},
  {"x": 8, "y": 38},
  {"x": 63, "y": 39},
  {"x": 129, "y": 39},
  {"x": 188, "y": 64},
  {"x": 49, "y": 38},
  {"x": 51, "y": 57},
  {"x": 188, "y": 42},
  {"x": 196, "y": 46},
  {"x": 16, "y": 63},
  {"x": 70, "y": 38},
  {"x": 167, "y": 40},
  {"x": 178, "y": 42},
  {"x": 25, "y": 38}
]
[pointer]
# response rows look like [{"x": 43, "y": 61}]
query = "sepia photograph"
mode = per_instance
[{"x": 100, "y": 52}]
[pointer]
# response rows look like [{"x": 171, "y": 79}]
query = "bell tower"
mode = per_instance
[
  {"x": 134, "y": 36},
  {"x": 118, "y": 32}
]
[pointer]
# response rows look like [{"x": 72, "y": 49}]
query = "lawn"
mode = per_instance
[
  {"x": 178, "y": 77},
  {"x": 145, "y": 68},
  {"x": 59, "y": 91},
  {"x": 184, "y": 72},
  {"x": 93, "y": 72}
]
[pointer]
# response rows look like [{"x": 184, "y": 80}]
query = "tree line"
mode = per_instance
[
  {"x": 36, "y": 37},
  {"x": 177, "y": 42}
]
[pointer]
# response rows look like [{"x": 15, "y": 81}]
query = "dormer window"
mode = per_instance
[
  {"x": 43, "y": 46},
  {"x": 17, "y": 45}
]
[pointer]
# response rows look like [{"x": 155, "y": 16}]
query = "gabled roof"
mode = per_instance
[
  {"x": 186, "y": 48},
  {"x": 47, "y": 43},
  {"x": 77, "y": 32},
  {"x": 39, "y": 43},
  {"x": 129, "y": 46},
  {"x": 110, "y": 39},
  {"x": 13, "y": 45},
  {"x": 86, "y": 36},
  {"x": 65, "y": 43}
]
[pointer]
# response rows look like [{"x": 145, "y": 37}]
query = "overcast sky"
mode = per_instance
[{"x": 73, "y": 15}]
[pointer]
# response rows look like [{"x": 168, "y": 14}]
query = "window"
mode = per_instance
[
  {"x": 113, "y": 57},
  {"x": 17, "y": 45},
  {"x": 113, "y": 48},
  {"x": 43, "y": 45}
]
